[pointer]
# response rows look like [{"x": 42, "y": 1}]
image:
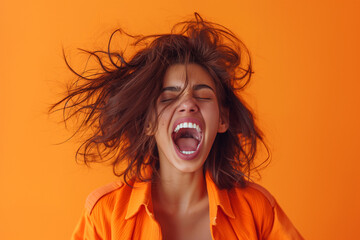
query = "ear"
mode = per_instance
[
  {"x": 149, "y": 130},
  {"x": 150, "y": 123},
  {"x": 223, "y": 121}
]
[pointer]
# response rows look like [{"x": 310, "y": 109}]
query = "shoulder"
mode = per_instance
[
  {"x": 255, "y": 198},
  {"x": 255, "y": 206},
  {"x": 271, "y": 215},
  {"x": 260, "y": 191},
  {"x": 103, "y": 194},
  {"x": 100, "y": 207}
]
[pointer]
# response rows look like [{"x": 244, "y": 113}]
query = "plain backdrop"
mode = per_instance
[{"x": 305, "y": 94}]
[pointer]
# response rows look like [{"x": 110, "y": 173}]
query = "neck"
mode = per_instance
[{"x": 180, "y": 192}]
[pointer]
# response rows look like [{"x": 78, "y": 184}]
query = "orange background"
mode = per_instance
[{"x": 305, "y": 92}]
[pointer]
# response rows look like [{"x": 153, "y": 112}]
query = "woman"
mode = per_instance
[{"x": 171, "y": 120}]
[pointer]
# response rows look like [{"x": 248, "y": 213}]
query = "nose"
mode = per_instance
[{"x": 188, "y": 105}]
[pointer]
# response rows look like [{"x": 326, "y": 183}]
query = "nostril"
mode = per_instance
[{"x": 192, "y": 110}]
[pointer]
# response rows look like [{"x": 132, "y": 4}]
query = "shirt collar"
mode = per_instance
[
  {"x": 141, "y": 195},
  {"x": 217, "y": 198}
]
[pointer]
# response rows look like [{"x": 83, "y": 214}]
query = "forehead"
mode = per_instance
[{"x": 194, "y": 74}]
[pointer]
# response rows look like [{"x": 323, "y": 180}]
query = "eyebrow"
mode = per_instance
[
  {"x": 178, "y": 89},
  {"x": 202, "y": 86}
]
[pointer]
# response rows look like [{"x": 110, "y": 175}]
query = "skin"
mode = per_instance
[{"x": 179, "y": 193}]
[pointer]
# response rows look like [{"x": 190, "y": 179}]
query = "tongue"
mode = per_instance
[{"x": 187, "y": 144}]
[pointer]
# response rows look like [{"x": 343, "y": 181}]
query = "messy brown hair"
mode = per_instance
[{"x": 118, "y": 102}]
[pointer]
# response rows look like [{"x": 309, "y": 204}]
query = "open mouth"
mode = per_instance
[{"x": 187, "y": 136}]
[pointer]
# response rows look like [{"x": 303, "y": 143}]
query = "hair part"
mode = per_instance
[{"x": 118, "y": 103}]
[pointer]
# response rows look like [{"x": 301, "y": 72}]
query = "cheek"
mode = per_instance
[
  {"x": 213, "y": 111},
  {"x": 163, "y": 122},
  {"x": 163, "y": 118},
  {"x": 212, "y": 116},
  {"x": 162, "y": 125}
]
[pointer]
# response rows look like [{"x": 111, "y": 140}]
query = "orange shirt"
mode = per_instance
[{"x": 117, "y": 211}]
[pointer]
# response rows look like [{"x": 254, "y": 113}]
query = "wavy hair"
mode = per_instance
[{"x": 118, "y": 101}]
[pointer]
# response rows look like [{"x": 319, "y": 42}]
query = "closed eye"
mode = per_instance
[
  {"x": 203, "y": 98},
  {"x": 167, "y": 100}
]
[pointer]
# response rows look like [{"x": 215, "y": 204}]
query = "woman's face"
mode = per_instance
[{"x": 187, "y": 124}]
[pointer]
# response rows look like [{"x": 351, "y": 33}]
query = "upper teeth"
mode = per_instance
[{"x": 187, "y": 125}]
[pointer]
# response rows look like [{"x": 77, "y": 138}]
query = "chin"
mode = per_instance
[{"x": 187, "y": 166}]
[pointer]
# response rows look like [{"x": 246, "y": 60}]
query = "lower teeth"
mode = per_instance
[{"x": 187, "y": 152}]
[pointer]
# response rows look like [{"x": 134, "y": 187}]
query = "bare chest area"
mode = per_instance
[{"x": 187, "y": 226}]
